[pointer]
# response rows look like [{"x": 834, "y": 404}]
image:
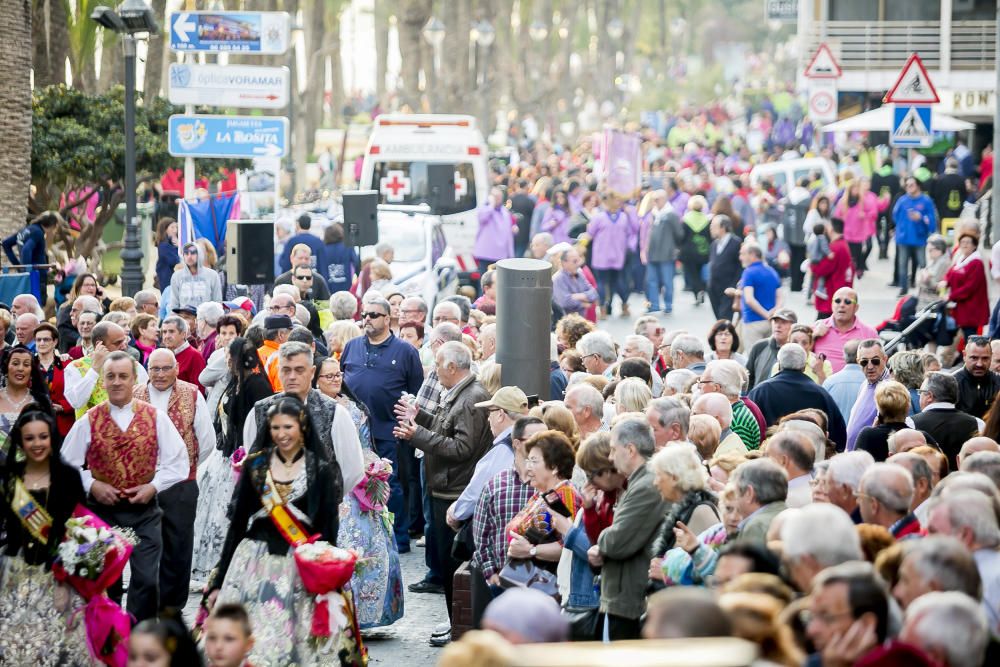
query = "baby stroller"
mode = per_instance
[{"x": 911, "y": 329}]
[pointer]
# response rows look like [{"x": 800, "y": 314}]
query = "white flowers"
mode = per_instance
[{"x": 322, "y": 552}]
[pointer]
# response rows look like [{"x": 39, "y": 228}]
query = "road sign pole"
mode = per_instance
[{"x": 189, "y": 173}]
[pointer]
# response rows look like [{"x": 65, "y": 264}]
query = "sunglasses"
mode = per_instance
[
  {"x": 874, "y": 362},
  {"x": 371, "y": 316},
  {"x": 844, "y": 301},
  {"x": 190, "y": 251},
  {"x": 309, "y": 278}
]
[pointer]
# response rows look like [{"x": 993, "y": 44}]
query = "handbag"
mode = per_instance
[
  {"x": 525, "y": 574},
  {"x": 583, "y": 623},
  {"x": 463, "y": 546}
]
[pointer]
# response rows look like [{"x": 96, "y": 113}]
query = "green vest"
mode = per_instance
[{"x": 98, "y": 395}]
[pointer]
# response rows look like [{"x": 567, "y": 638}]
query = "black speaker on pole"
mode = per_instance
[
  {"x": 360, "y": 217},
  {"x": 250, "y": 252},
  {"x": 441, "y": 187}
]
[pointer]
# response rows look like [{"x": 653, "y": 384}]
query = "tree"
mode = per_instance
[
  {"x": 15, "y": 121},
  {"x": 78, "y": 150},
  {"x": 51, "y": 42},
  {"x": 155, "y": 54}
]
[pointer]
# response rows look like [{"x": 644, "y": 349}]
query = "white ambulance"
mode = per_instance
[{"x": 399, "y": 151}]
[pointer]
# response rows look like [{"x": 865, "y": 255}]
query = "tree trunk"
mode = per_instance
[
  {"x": 15, "y": 121},
  {"x": 382, "y": 14},
  {"x": 50, "y": 42},
  {"x": 312, "y": 112},
  {"x": 336, "y": 67},
  {"x": 411, "y": 50},
  {"x": 112, "y": 63},
  {"x": 155, "y": 54},
  {"x": 455, "y": 65}
]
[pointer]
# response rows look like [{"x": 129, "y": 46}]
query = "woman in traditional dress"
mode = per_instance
[
  {"x": 287, "y": 481},
  {"x": 21, "y": 381},
  {"x": 365, "y": 524},
  {"x": 38, "y": 616},
  {"x": 217, "y": 477}
]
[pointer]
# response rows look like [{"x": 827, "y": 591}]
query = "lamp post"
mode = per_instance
[
  {"x": 434, "y": 32},
  {"x": 134, "y": 17},
  {"x": 483, "y": 34}
]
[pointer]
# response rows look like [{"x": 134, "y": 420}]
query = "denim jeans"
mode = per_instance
[
  {"x": 660, "y": 276},
  {"x": 905, "y": 255}
]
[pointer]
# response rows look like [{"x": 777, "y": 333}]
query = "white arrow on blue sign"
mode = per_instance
[
  {"x": 248, "y": 32},
  {"x": 196, "y": 135}
]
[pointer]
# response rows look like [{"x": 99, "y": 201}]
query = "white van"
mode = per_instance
[
  {"x": 399, "y": 150},
  {"x": 784, "y": 174}
]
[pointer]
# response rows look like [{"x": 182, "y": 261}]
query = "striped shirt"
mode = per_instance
[
  {"x": 745, "y": 425},
  {"x": 500, "y": 501}
]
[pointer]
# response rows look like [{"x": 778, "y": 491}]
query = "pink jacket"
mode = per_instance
[{"x": 859, "y": 220}]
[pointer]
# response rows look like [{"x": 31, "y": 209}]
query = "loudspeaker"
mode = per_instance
[
  {"x": 360, "y": 217},
  {"x": 250, "y": 252},
  {"x": 441, "y": 187}
]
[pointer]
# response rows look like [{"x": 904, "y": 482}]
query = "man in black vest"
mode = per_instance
[
  {"x": 939, "y": 417},
  {"x": 724, "y": 268},
  {"x": 977, "y": 384}
]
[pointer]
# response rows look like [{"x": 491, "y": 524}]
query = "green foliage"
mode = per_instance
[{"x": 78, "y": 140}]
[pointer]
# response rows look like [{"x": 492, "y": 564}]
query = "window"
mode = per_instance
[{"x": 412, "y": 177}]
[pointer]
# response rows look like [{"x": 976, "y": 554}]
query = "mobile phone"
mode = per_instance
[
  {"x": 532, "y": 400},
  {"x": 555, "y": 503},
  {"x": 821, "y": 356}
]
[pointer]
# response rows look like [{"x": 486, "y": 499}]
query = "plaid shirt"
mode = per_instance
[
  {"x": 500, "y": 501},
  {"x": 429, "y": 393}
]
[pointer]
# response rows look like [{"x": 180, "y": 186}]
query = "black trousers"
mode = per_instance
[
  {"x": 409, "y": 478},
  {"x": 482, "y": 594},
  {"x": 722, "y": 305},
  {"x": 143, "y": 588},
  {"x": 620, "y": 627},
  {"x": 444, "y": 536},
  {"x": 796, "y": 257},
  {"x": 178, "y": 504}
]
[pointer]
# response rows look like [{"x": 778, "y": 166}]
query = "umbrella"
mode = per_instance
[{"x": 880, "y": 120}]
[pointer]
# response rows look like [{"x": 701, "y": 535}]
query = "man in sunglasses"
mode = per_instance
[
  {"x": 302, "y": 275},
  {"x": 830, "y": 334},
  {"x": 872, "y": 359}
]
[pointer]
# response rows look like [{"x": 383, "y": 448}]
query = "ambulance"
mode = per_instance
[{"x": 401, "y": 147}]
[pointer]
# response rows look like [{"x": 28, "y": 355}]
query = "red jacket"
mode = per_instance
[
  {"x": 190, "y": 364},
  {"x": 838, "y": 272},
  {"x": 967, "y": 288}
]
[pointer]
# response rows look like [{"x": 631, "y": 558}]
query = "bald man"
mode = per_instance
[
  {"x": 884, "y": 497},
  {"x": 906, "y": 439},
  {"x": 978, "y": 444},
  {"x": 718, "y": 407},
  {"x": 832, "y": 333}
]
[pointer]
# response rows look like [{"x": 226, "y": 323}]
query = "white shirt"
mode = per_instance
[
  {"x": 799, "y": 491},
  {"x": 79, "y": 387},
  {"x": 498, "y": 458},
  {"x": 204, "y": 431},
  {"x": 346, "y": 445},
  {"x": 172, "y": 464}
]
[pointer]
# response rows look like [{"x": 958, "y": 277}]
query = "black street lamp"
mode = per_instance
[{"x": 134, "y": 17}]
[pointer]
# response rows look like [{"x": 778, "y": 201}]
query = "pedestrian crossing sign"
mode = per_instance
[{"x": 911, "y": 126}]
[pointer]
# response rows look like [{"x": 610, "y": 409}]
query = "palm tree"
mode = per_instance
[{"x": 15, "y": 121}]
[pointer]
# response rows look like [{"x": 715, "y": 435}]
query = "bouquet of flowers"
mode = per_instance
[
  {"x": 373, "y": 491},
  {"x": 91, "y": 558},
  {"x": 324, "y": 570}
]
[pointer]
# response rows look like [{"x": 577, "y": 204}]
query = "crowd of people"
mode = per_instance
[{"x": 783, "y": 477}]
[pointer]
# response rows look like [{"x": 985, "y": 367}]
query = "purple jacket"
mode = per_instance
[
  {"x": 556, "y": 222},
  {"x": 495, "y": 238},
  {"x": 610, "y": 234},
  {"x": 564, "y": 286}
]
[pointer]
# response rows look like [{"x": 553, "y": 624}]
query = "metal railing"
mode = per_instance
[{"x": 874, "y": 45}]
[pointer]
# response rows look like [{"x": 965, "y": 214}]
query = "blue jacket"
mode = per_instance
[
  {"x": 32, "y": 242},
  {"x": 314, "y": 243},
  {"x": 378, "y": 375},
  {"x": 342, "y": 265},
  {"x": 167, "y": 260},
  {"x": 914, "y": 232},
  {"x": 582, "y": 592}
]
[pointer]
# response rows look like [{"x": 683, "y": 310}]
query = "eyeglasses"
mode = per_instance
[
  {"x": 595, "y": 475},
  {"x": 874, "y": 362},
  {"x": 330, "y": 377},
  {"x": 43, "y": 340},
  {"x": 372, "y": 316},
  {"x": 845, "y": 301},
  {"x": 190, "y": 251},
  {"x": 160, "y": 369}
]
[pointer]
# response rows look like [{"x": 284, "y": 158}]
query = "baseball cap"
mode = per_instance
[
  {"x": 511, "y": 399},
  {"x": 240, "y": 302},
  {"x": 190, "y": 310},
  {"x": 786, "y": 314}
]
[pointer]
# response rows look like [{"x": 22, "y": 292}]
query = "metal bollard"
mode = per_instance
[{"x": 524, "y": 324}]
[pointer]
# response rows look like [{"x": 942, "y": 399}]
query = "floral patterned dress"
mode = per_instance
[{"x": 366, "y": 527}]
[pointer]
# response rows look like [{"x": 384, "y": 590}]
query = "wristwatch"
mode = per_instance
[{"x": 532, "y": 551}]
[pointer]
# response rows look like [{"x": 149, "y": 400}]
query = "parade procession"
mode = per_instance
[{"x": 499, "y": 333}]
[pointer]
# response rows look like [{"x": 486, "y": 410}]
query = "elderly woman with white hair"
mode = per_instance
[
  {"x": 632, "y": 395},
  {"x": 682, "y": 480}
]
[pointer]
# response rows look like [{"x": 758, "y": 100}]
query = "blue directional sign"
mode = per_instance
[
  {"x": 249, "y": 32},
  {"x": 195, "y": 135},
  {"x": 911, "y": 126}
]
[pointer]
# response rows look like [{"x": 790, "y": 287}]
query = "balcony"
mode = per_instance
[{"x": 869, "y": 46}]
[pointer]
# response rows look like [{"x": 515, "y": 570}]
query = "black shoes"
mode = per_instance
[{"x": 424, "y": 586}]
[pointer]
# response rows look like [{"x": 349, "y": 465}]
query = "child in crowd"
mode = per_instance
[
  {"x": 163, "y": 642},
  {"x": 817, "y": 249},
  {"x": 228, "y": 637}
]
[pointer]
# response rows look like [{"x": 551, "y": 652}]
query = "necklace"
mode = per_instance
[
  {"x": 17, "y": 404},
  {"x": 295, "y": 459},
  {"x": 36, "y": 482}
]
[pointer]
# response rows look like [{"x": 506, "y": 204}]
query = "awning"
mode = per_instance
[{"x": 880, "y": 120}]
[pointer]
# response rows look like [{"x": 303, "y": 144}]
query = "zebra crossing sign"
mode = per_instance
[
  {"x": 913, "y": 86},
  {"x": 911, "y": 126}
]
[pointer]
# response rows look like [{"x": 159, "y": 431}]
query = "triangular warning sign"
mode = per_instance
[
  {"x": 913, "y": 85},
  {"x": 823, "y": 65},
  {"x": 912, "y": 127}
]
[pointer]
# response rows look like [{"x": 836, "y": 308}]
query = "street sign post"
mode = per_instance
[
  {"x": 911, "y": 126},
  {"x": 823, "y": 100},
  {"x": 913, "y": 86},
  {"x": 192, "y": 135},
  {"x": 248, "y": 32},
  {"x": 243, "y": 86}
]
